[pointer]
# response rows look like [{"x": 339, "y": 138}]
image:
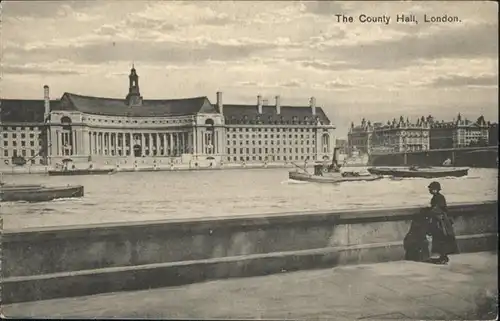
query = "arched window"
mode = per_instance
[{"x": 325, "y": 143}]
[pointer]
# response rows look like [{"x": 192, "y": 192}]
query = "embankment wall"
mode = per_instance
[
  {"x": 81, "y": 260},
  {"x": 473, "y": 158}
]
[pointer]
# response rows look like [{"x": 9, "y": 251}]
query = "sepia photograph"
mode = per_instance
[{"x": 249, "y": 160}]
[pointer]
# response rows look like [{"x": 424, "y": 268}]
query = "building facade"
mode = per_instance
[
  {"x": 135, "y": 131},
  {"x": 394, "y": 136},
  {"x": 23, "y": 131},
  {"x": 459, "y": 133},
  {"x": 493, "y": 134}
]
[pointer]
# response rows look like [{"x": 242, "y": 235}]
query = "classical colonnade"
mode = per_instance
[
  {"x": 140, "y": 144},
  {"x": 104, "y": 143}
]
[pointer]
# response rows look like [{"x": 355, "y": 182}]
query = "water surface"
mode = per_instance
[{"x": 174, "y": 195}]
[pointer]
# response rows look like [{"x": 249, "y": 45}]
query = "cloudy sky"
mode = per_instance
[{"x": 293, "y": 49}]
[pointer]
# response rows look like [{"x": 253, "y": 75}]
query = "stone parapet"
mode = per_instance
[{"x": 42, "y": 263}]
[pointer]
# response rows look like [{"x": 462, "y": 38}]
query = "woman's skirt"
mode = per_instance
[{"x": 443, "y": 235}]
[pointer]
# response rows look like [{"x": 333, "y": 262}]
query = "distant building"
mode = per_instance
[
  {"x": 133, "y": 130},
  {"x": 342, "y": 145},
  {"x": 459, "y": 133},
  {"x": 493, "y": 134},
  {"x": 359, "y": 138},
  {"x": 394, "y": 136}
]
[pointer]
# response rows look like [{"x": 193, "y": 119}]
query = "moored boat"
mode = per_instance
[
  {"x": 330, "y": 177},
  {"x": 71, "y": 172},
  {"x": 420, "y": 172},
  {"x": 330, "y": 173},
  {"x": 38, "y": 193}
]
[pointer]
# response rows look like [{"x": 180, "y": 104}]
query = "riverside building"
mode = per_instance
[
  {"x": 135, "y": 131},
  {"x": 458, "y": 133},
  {"x": 394, "y": 136}
]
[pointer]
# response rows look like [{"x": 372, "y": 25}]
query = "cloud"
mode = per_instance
[
  {"x": 145, "y": 51},
  {"x": 294, "y": 83},
  {"x": 37, "y": 70},
  {"x": 248, "y": 84},
  {"x": 44, "y": 9},
  {"x": 465, "y": 81},
  {"x": 475, "y": 41},
  {"x": 295, "y": 49},
  {"x": 325, "y": 8}
]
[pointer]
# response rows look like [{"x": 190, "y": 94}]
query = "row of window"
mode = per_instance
[
  {"x": 170, "y": 153},
  {"x": 272, "y": 158},
  {"x": 22, "y": 135},
  {"x": 278, "y": 136},
  {"x": 119, "y": 121},
  {"x": 23, "y": 143},
  {"x": 272, "y": 142},
  {"x": 15, "y": 152},
  {"x": 31, "y": 161},
  {"x": 269, "y": 129},
  {"x": 16, "y": 128},
  {"x": 247, "y": 150}
]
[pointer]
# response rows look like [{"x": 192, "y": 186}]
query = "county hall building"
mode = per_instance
[{"x": 136, "y": 132}]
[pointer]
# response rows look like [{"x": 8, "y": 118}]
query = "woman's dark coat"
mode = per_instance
[
  {"x": 441, "y": 227},
  {"x": 415, "y": 242}
]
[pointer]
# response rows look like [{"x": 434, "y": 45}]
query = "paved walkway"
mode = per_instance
[{"x": 396, "y": 290}]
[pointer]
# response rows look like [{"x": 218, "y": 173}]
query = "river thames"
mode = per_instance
[{"x": 174, "y": 195}]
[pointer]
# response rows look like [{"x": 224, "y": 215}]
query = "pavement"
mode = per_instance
[{"x": 465, "y": 289}]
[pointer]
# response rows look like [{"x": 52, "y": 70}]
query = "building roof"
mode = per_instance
[
  {"x": 24, "y": 110},
  {"x": 237, "y": 114},
  {"x": 149, "y": 108}
]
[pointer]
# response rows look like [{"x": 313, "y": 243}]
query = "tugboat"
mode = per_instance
[{"x": 330, "y": 173}]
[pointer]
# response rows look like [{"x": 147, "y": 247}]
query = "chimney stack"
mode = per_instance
[
  {"x": 46, "y": 102},
  {"x": 278, "y": 105},
  {"x": 312, "y": 103},
  {"x": 259, "y": 103},
  {"x": 219, "y": 102}
]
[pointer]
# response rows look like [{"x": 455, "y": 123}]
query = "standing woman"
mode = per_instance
[{"x": 441, "y": 226}]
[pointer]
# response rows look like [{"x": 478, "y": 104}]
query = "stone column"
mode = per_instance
[
  {"x": 176, "y": 141},
  {"x": 57, "y": 144},
  {"x": 109, "y": 143},
  {"x": 116, "y": 144},
  {"x": 143, "y": 142},
  {"x": 178, "y": 136},
  {"x": 183, "y": 143},
  {"x": 164, "y": 141},
  {"x": 150, "y": 144},
  {"x": 171, "y": 143},
  {"x": 101, "y": 142},
  {"x": 96, "y": 143}
]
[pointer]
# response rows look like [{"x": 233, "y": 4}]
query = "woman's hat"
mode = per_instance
[{"x": 435, "y": 186}]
